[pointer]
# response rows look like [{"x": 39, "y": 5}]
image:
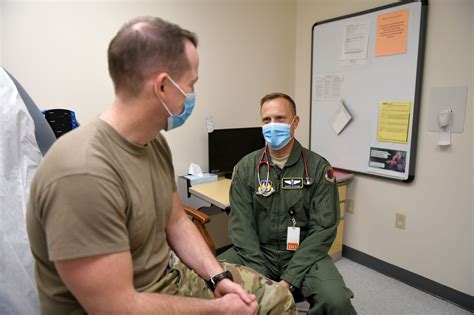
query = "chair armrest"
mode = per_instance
[
  {"x": 199, "y": 219},
  {"x": 197, "y": 215}
]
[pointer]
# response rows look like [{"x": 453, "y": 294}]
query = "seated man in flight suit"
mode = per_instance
[{"x": 284, "y": 213}]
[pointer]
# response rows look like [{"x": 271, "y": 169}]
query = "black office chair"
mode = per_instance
[{"x": 61, "y": 120}]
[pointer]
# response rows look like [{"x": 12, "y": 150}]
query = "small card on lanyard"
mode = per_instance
[{"x": 293, "y": 238}]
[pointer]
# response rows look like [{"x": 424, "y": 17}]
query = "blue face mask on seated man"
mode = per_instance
[
  {"x": 277, "y": 135},
  {"x": 175, "y": 121}
]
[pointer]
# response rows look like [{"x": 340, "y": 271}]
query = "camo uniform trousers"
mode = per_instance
[{"x": 184, "y": 281}]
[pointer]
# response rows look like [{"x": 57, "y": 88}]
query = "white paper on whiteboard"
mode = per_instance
[
  {"x": 328, "y": 86},
  {"x": 340, "y": 119},
  {"x": 356, "y": 39}
]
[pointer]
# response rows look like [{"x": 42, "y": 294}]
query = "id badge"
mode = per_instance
[{"x": 293, "y": 238}]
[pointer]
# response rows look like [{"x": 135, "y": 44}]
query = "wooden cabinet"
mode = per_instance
[{"x": 336, "y": 249}]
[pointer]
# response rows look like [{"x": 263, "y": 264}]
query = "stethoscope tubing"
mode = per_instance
[
  {"x": 267, "y": 163},
  {"x": 264, "y": 159}
]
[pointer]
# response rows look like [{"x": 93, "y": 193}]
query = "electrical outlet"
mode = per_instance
[
  {"x": 400, "y": 221},
  {"x": 350, "y": 206}
]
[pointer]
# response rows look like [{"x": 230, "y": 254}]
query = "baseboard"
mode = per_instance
[{"x": 446, "y": 293}]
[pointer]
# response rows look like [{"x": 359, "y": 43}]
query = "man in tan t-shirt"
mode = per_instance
[{"x": 106, "y": 227}]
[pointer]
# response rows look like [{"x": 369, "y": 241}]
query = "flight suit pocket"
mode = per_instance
[
  {"x": 325, "y": 213},
  {"x": 262, "y": 215},
  {"x": 294, "y": 199},
  {"x": 262, "y": 203}
]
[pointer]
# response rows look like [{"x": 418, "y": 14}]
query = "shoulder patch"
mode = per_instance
[{"x": 329, "y": 174}]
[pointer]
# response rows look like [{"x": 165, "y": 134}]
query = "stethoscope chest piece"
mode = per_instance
[{"x": 308, "y": 181}]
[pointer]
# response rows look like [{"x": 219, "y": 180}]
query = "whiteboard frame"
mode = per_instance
[{"x": 411, "y": 146}]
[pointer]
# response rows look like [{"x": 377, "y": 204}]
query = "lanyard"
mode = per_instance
[{"x": 292, "y": 212}]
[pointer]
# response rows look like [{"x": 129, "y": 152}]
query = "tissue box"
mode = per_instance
[{"x": 205, "y": 178}]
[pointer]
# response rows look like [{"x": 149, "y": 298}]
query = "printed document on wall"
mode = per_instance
[
  {"x": 340, "y": 119},
  {"x": 392, "y": 33},
  {"x": 327, "y": 86},
  {"x": 394, "y": 121},
  {"x": 356, "y": 38}
]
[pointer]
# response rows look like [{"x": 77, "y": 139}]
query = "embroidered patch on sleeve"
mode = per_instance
[{"x": 329, "y": 174}]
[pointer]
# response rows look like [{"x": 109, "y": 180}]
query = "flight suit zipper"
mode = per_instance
[{"x": 277, "y": 190}]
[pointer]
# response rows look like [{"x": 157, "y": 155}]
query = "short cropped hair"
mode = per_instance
[
  {"x": 144, "y": 46},
  {"x": 273, "y": 96}
]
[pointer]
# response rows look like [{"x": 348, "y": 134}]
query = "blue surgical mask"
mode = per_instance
[
  {"x": 277, "y": 135},
  {"x": 175, "y": 121}
]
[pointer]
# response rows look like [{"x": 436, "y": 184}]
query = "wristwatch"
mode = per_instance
[{"x": 219, "y": 277}]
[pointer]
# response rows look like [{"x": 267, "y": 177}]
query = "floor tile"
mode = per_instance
[{"x": 377, "y": 294}]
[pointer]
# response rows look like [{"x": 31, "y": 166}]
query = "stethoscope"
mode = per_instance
[{"x": 265, "y": 188}]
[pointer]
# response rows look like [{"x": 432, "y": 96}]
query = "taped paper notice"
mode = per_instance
[
  {"x": 394, "y": 120},
  {"x": 356, "y": 38},
  {"x": 392, "y": 33},
  {"x": 328, "y": 86},
  {"x": 341, "y": 119}
]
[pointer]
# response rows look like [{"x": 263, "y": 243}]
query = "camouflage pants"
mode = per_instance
[{"x": 184, "y": 281}]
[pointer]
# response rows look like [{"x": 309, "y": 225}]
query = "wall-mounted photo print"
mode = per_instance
[{"x": 388, "y": 159}]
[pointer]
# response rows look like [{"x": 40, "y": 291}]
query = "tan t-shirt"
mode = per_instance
[
  {"x": 280, "y": 162},
  {"x": 96, "y": 193}
]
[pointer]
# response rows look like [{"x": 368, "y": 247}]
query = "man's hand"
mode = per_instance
[
  {"x": 232, "y": 303},
  {"x": 226, "y": 286}
]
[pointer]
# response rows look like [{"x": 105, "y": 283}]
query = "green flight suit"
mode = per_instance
[{"x": 258, "y": 227}]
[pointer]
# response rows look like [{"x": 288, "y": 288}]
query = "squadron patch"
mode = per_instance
[
  {"x": 265, "y": 188},
  {"x": 292, "y": 183},
  {"x": 329, "y": 174}
]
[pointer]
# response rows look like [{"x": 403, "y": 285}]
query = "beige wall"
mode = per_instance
[
  {"x": 1, "y": 33},
  {"x": 438, "y": 240},
  {"x": 246, "y": 50},
  {"x": 472, "y": 156}
]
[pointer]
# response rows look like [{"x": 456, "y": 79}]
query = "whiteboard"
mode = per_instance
[{"x": 370, "y": 76}]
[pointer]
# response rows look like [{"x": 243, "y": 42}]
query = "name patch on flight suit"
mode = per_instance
[{"x": 292, "y": 183}]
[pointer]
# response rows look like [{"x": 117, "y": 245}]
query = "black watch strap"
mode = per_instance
[{"x": 219, "y": 277}]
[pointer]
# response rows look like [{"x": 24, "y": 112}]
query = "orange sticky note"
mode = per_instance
[{"x": 392, "y": 33}]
